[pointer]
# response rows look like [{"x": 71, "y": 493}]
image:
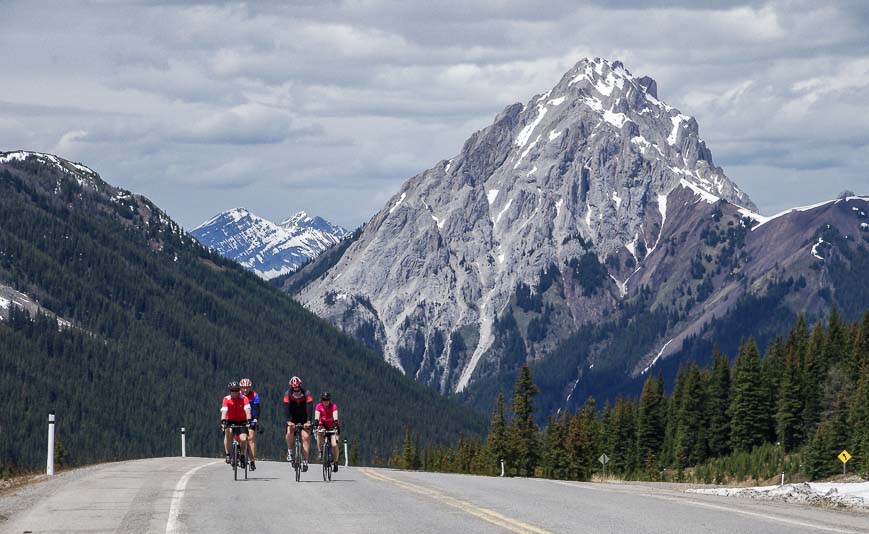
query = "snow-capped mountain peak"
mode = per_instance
[{"x": 266, "y": 248}]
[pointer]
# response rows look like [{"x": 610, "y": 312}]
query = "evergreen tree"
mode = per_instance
[
  {"x": 496, "y": 440},
  {"x": 584, "y": 441},
  {"x": 814, "y": 375},
  {"x": 790, "y": 405},
  {"x": 690, "y": 443},
  {"x": 749, "y": 406},
  {"x": 650, "y": 424},
  {"x": 522, "y": 432},
  {"x": 718, "y": 405}
]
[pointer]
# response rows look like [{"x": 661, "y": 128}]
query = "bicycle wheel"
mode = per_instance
[
  {"x": 298, "y": 457},
  {"x": 234, "y": 460},
  {"x": 325, "y": 460},
  {"x": 246, "y": 461}
]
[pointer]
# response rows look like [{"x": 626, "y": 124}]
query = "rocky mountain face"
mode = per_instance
[
  {"x": 266, "y": 248},
  {"x": 591, "y": 204}
]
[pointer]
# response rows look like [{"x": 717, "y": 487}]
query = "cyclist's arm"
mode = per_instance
[
  {"x": 310, "y": 407},
  {"x": 335, "y": 417},
  {"x": 254, "y": 406},
  {"x": 316, "y": 416},
  {"x": 287, "y": 408},
  {"x": 223, "y": 410}
]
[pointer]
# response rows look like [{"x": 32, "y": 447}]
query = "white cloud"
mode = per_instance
[{"x": 328, "y": 107}]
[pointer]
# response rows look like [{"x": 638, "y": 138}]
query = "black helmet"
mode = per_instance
[
  {"x": 233, "y": 386},
  {"x": 326, "y": 396}
]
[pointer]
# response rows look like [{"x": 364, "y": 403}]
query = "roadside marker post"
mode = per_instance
[
  {"x": 502, "y": 467},
  {"x": 346, "y": 456},
  {"x": 49, "y": 466},
  {"x": 183, "y": 442}
]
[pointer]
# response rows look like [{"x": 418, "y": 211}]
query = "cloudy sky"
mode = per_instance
[{"x": 328, "y": 106}]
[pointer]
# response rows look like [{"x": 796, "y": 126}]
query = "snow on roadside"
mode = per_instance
[{"x": 838, "y": 494}]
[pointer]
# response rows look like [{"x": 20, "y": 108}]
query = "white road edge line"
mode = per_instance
[
  {"x": 756, "y": 514},
  {"x": 172, "y": 525},
  {"x": 713, "y": 506}
]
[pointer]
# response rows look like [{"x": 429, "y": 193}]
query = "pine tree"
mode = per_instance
[
  {"x": 718, "y": 405},
  {"x": 790, "y": 405},
  {"x": 814, "y": 375},
  {"x": 496, "y": 440},
  {"x": 522, "y": 432},
  {"x": 650, "y": 425},
  {"x": 690, "y": 442},
  {"x": 749, "y": 409}
]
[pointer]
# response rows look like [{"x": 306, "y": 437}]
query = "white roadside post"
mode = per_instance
[
  {"x": 346, "y": 456},
  {"x": 49, "y": 467},
  {"x": 502, "y": 467},
  {"x": 183, "y": 442}
]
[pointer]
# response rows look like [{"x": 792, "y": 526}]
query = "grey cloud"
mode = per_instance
[{"x": 329, "y": 106}]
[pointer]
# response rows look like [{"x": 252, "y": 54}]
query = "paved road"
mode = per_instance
[{"x": 199, "y": 495}]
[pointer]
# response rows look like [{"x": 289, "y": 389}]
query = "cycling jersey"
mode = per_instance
[
  {"x": 298, "y": 407},
  {"x": 235, "y": 409},
  {"x": 328, "y": 417},
  {"x": 253, "y": 398}
]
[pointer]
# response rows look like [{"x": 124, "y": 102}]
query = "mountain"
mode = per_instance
[
  {"x": 128, "y": 328},
  {"x": 594, "y": 208},
  {"x": 266, "y": 248}
]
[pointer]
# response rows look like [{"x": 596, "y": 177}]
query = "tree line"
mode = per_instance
[{"x": 792, "y": 409}]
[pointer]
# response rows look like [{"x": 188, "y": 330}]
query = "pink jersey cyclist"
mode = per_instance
[{"x": 328, "y": 417}]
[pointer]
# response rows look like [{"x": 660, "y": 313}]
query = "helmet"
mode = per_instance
[
  {"x": 245, "y": 383},
  {"x": 295, "y": 382},
  {"x": 326, "y": 396},
  {"x": 233, "y": 386}
]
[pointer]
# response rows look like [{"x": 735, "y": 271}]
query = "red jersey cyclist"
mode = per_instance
[
  {"x": 298, "y": 408},
  {"x": 235, "y": 412},
  {"x": 253, "y": 398},
  {"x": 326, "y": 415}
]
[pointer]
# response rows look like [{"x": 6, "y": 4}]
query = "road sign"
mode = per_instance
[
  {"x": 844, "y": 456},
  {"x": 603, "y": 459}
]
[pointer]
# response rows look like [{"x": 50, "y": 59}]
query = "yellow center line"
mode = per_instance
[{"x": 485, "y": 514}]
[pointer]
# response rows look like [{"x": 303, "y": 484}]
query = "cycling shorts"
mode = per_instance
[{"x": 238, "y": 430}]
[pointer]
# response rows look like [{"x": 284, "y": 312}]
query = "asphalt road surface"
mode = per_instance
[{"x": 169, "y": 495}]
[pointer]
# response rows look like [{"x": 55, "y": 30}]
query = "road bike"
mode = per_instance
[
  {"x": 326, "y": 452},
  {"x": 297, "y": 450},
  {"x": 236, "y": 460}
]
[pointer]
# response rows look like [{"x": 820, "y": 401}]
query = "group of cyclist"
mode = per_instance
[{"x": 239, "y": 416}]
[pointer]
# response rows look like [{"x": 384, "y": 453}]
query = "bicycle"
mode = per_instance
[
  {"x": 235, "y": 457},
  {"x": 297, "y": 449},
  {"x": 326, "y": 452}
]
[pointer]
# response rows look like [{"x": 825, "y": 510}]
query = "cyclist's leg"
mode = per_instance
[
  {"x": 242, "y": 441},
  {"x": 290, "y": 431},
  {"x": 306, "y": 446},
  {"x": 251, "y": 443},
  {"x": 319, "y": 436},
  {"x": 335, "y": 451},
  {"x": 227, "y": 439}
]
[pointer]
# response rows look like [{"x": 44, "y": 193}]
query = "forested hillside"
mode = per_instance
[
  {"x": 159, "y": 326},
  {"x": 792, "y": 409}
]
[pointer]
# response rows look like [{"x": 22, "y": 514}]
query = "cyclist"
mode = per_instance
[
  {"x": 252, "y": 397},
  {"x": 235, "y": 411},
  {"x": 298, "y": 408},
  {"x": 326, "y": 414}
]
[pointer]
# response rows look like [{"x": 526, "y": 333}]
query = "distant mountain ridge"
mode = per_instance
[
  {"x": 595, "y": 203},
  {"x": 265, "y": 248}
]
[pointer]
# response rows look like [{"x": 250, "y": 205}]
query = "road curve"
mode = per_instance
[{"x": 198, "y": 495}]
